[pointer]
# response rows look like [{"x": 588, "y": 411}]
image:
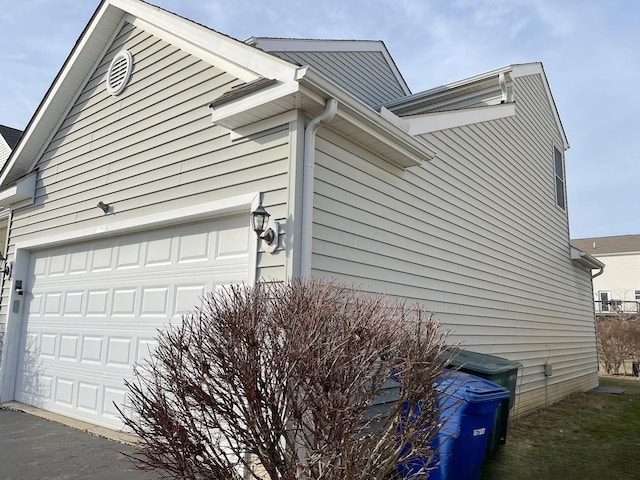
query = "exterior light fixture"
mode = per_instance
[
  {"x": 105, "y": 207},
  {"x": 260, "y": 225},
  {"x": 5, "y": 267}
]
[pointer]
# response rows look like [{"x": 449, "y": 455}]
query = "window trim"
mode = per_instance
[
  {"x": 561, "y": 201},
  {"x": 601, "y": 302}
]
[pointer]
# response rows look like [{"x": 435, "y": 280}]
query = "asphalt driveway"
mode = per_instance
[{"x": 34, "y": 448}]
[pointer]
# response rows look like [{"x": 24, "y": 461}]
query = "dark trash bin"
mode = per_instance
[
  {"x": 498, "y": 370},
  {"x": 635, "y": 368},
  {"x": 468, "y": 406}
]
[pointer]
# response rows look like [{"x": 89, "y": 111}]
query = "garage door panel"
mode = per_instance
[{"x": 94, "y": 309}]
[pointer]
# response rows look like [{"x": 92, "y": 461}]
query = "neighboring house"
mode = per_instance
[
  {"x": 8, "y": 140},
  {"x": 618, "y": 288},
  {"x": 132, "y": 186}
]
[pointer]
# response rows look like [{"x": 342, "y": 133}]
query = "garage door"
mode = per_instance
[{"x": 92, "y": 309}]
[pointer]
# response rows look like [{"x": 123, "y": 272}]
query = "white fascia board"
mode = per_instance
[
  {"x": 413, "y": 156},
  {"x": 352, "y": 109},
  {"x": 433, "y": 122},
  {"x": 23, "y": 189},
  {"x": 525, "y": 69},
  {"x": 263, "y": 125},
  {"x": 393, "y": 118},
  {"x": 312, "y": 45},
  {"x": 237, "y": 58},
  {"x": 442, "y": 89},
  {"x": 65, "y": 89},
  {"x": 218, "y": 114},
  {"x": 585, "y": 258}
]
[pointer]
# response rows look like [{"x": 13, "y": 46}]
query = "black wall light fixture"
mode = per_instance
[
  {"x": 260, "y": 225},
  {"x": 5, "y": 267}
]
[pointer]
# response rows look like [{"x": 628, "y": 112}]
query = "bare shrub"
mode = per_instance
[
  {"x": 618, "y": 340},
  {"x": 279, "y": 381}
]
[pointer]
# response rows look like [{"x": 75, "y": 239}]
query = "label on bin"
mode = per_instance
[{"x": 479, "y": 431}]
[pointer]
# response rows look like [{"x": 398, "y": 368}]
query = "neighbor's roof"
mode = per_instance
[
  {"x": 10, "y": 135},
  {"x": 608, "y": 245}
]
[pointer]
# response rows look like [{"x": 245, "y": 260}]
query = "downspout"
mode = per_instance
[
  {"x": 331, "y": 107},
  {"x": 600, "y": 272}
]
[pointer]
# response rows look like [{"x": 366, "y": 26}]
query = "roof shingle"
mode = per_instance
[
  {"x": 10, "y": 135},
  {"x": 607, "y": 245}
]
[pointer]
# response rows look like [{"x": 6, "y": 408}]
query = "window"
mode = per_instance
[
  {"x": 637, "y": 292},
  {"x": 560, "y": 198},
  {"x": 603, "y": 301}
]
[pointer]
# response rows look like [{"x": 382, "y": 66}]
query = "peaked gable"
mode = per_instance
[
  {"x": 362, "y": 67},
  {"x": 237, "y": 58},
  {"x": 487, "y": 89}
]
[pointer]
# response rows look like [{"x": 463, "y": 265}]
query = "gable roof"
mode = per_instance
[
  {"x": 363, "y": 67},
  {"x": 239, "y": 59},
  {"x": 10, "y": 135},
  {"x": 444, "y": 97},
  {"x": 608, "y": 245},
  {"x": 248, "y": 63}
]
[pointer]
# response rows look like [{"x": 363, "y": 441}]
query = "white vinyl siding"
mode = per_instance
[
  {"x": 364, "y": 74},
  {"x": 5, "y": 150},
  {"x": 620, "y": 278},
  {"x": 151, "y": 149},
  {"x": 473, "y": 236}
]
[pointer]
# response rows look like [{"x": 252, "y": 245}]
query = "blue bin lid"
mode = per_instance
[{"x": 469, "y": 388}]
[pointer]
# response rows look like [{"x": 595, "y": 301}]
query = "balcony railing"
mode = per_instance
[{"x": 618, "y": 306}]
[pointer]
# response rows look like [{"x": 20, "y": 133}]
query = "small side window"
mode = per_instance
[
  {"x": 560, "y": 190},
  {"x": 603, "y": 302}
]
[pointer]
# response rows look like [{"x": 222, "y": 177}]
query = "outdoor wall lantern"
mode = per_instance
[
  {"x": 260, "y": 225},
  {"x": 5, "y": 267}
]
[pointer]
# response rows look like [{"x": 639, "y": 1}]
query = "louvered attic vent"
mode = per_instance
[{"x": 119, "y": 72}]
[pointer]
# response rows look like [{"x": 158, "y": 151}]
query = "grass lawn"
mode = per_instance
[{"x": 587, "y": 436}]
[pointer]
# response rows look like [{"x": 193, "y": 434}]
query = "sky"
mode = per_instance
[{"x": 590, "y": 50}]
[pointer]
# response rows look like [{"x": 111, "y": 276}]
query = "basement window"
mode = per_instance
[
  {"x": 119, "y": 72},
  {"x": 560, "y": 183}
]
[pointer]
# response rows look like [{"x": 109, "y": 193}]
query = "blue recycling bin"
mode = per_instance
[{"x": 468, "y": 408}]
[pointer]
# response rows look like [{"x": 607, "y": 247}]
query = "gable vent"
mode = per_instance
[{"x": 119, "y": 72}]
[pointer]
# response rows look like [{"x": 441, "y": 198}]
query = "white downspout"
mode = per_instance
[{"x": 309, "y": 155}]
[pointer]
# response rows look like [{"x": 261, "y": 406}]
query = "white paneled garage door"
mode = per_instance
[{"x": 92, "y": 309}]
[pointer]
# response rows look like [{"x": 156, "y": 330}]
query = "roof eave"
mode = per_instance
[
  {"x": 353, "y": 109},
  {"x": 240, "y": 59},
  {"x": 585, "y": 259},
  {"x": 514, "y": 71},
  {"x": 60, "y": 94}
]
